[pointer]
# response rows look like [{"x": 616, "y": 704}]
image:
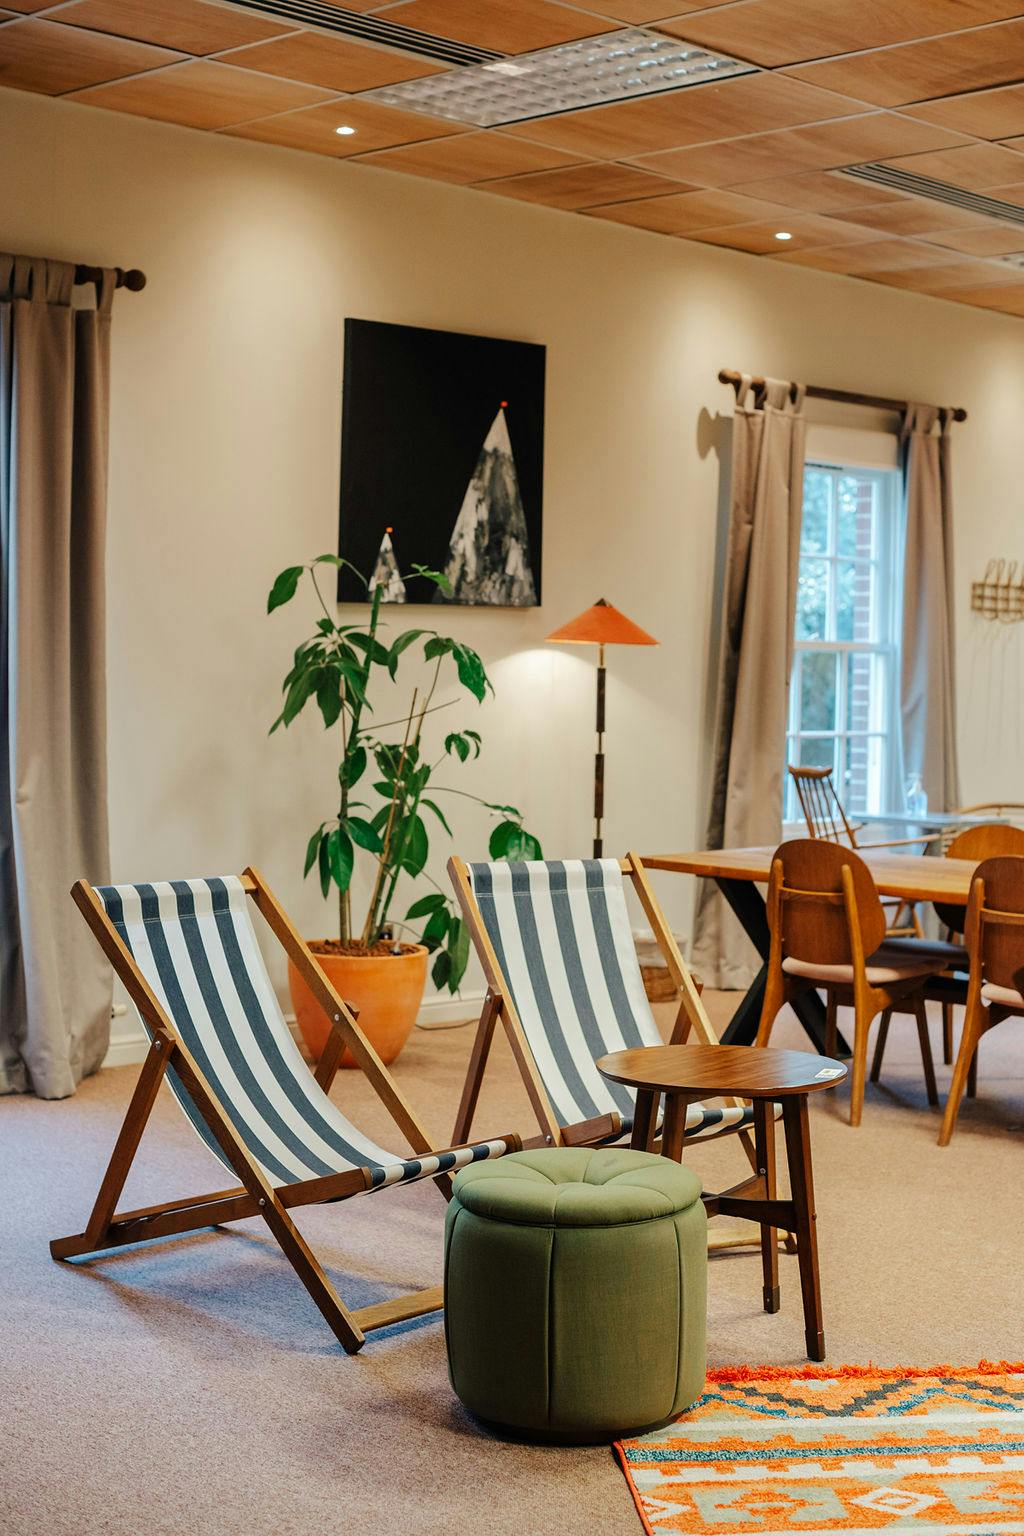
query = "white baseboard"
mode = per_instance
[{"x": 129, "y": 1043}]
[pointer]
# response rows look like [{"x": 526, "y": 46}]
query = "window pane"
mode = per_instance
[
  {"x": 854, "y": 606},
  {"x": 814, "y": 528},
  {"x": 855, "y": 498},
  {"x": 811, "y": 600},
  {"x": 818, "y": 691},
  {"x": 817, "y": 751}
]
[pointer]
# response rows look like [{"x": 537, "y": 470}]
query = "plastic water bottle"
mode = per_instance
[{"x": 916, "y": 797}]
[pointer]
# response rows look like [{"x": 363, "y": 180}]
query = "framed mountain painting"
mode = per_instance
[{"x": 442, "y": 465}]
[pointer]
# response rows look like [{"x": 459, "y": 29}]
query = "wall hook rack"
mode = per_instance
[{"x": 1000, "y": 592}]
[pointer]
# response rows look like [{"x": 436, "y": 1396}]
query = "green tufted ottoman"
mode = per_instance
[{"x": 576, "y": 1291}]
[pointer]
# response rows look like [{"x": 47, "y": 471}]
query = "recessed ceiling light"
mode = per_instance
[
  {"x": 345, "y": 129},
  {"x": 614, "y": 66},
  {"x": 783, "y": 234}
]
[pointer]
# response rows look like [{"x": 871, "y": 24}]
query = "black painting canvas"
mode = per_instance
[{"x": 442, "y": 461}]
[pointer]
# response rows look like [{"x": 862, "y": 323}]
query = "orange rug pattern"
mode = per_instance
[{"x": 774, "y": 1452}]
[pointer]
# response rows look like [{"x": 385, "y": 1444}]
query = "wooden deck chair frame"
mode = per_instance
[
  {"x": 255, "y": 1195},
  {"x": 690, "y": 1019}
]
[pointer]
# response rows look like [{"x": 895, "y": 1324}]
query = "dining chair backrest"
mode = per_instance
[
  {"x": 995, "y": 921},
  {"x": 821, "y": 805},
  {"x": 808, "y": 899},
  {"x": 989, "y": 841}
]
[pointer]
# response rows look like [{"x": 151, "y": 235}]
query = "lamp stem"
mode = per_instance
[{"x": 599, "y": 757}]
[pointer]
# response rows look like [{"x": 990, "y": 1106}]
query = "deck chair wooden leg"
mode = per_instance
[
  {"x": 139, "y": 1110},
  {"x": 305, "y": 1264},
  {"x": 921, "y": 1014},
  {"x": 947, "y": 1034},
  {"x": 477, "y": 1063},
  {"x": 764, "y": 1138},
  {"x": 883, "y": 1035}
]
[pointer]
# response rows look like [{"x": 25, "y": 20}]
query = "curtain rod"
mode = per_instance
[
  {"x": 130, "y": 278},
  {"x": 845, "y": 396}
]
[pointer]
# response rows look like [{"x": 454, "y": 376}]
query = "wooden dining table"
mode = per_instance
[{"x": 739, "y": 871}]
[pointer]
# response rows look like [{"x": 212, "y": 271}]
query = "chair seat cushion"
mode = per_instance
[
  {"x": 889, "y": 964},
  {"x": 1005, "y": 996},
  {"x": 576, "y": 1291},
  {"x": 952, "y": 956}
]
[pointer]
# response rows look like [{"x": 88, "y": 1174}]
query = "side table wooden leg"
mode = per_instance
[
  {"x": 674, "y": 1126},
  {"x": 801, "y": 1183},
  {"x": 764, "y": 1146},
  {"x": 645, "y": 1120}
]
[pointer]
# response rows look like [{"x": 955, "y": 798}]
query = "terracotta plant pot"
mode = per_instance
[{"x": 386, "y": 989}]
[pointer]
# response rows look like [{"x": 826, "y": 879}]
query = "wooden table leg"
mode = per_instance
[
  {"x": 801, "y": 1183},
  {"x": 764, "y": 1147},
  {"x": 645, "y": 1120},
  {"x": 674, "y": 1126}
]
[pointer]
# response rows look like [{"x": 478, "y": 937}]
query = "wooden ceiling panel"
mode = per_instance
[
  {"x": 974, "y": 167},
  {"x": 34, "y": 56},
  {"x": 699, "y": 114},
  {"x": 27, "y": 7},
  {"x": 806, "y": 231},
  {"x": 939, "y": 279},
  {"x": 963, "y": 61},
  {"x": 821, "y": 192},
  {"x": 376, "y": 127},
  {"x": 865, "y": 256},
  {"x": 468, "y": 158},
  {"x": 997, "y": 114},
  {"x": 190, "y": 26},
  {"x": 585, "y": 186},
  {"x": 637, "y": 13},
  {"x": 774, "y": 32},
  {"x": 1008, "y": 298},
  {"x": 992, "y": 241},
  {"x": 333, "y": 62},
  {"x": 689, "y": 212},
  {"x": 1012, "y": 194},
  {"x": 506, "y": 26},
  {"x": 201, "y": 94},
  {"x": 920, "y": 216},
  {"x": 819, "y": 147}
]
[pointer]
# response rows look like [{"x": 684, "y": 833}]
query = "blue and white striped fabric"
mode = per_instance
[
  {"x": 564, "y": 942},
  {"x": 195, "y": 945}
]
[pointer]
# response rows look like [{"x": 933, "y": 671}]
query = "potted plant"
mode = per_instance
[{"x": 387, "y": 789}]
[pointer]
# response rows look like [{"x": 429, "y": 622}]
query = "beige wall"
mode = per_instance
[{"x": 225, "y": 433}]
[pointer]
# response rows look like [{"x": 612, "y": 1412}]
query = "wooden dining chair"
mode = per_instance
[
  {"x": 826, "y": 819},
  {"x": 828, "y": 932},
  {"x": 994, "y": 938}
]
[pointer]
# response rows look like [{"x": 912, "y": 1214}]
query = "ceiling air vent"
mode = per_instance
[
  {"x": 937, "y": 191},
  {"x": 369, "y": 29}
]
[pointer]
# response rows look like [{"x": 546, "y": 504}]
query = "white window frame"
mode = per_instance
[{"x": 886, "y": 724}]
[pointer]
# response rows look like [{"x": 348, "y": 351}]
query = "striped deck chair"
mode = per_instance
[
  {"x": 188, "y": 955},
  {"x": 557, "y": 950}
]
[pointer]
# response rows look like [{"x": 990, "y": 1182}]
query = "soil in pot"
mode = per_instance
[{"x": 384, "y": 982}]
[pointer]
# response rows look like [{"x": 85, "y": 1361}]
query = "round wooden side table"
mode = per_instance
[{"x": 687, "y": 1074}]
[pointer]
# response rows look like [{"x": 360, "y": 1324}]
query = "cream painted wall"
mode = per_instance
[{"x": 224, "y": 468}]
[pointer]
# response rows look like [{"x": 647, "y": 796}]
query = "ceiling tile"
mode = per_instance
[
  {"x": 468, "y": 157},
  {"x": 975, "y": 166},
  {"x": 694, "y": 115},
  {"x": 964, "y": 61},
  {"x": 26, "y": 7},
  {"x": 187, "y": 25},
  {"x": 332, "y": 62},
  {"x": 980, "y": 242},
  {"x": 1007, "y": 297},
  {"x": 376, "y": 127},
  {"x": 774, "y": 32},
  {"x": 919, "y": 216},
  {"x": 954, "y": 274},
  {"x": 200, "y": 94},
  {"x": 866, "y": 256},
  {"x": 506, "y": 26},
  {"x": 585, "y": 186},
  {"x": 997, "y": 114},
  {"x": 820, "y": 192},
  {"x": 805, "y": 230},
  {"x": 35, "y": 56},
  {"x": 637, "y": 12},
  {"x": 688, "y": 212},
  {"x": 1011, "y": 194},
  {"x": 821, "y": 146}
]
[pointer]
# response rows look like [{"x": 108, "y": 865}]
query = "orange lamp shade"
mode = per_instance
[{"x": 602, "y": 624}]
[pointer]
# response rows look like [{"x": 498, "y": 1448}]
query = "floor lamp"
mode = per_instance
[{"x": 601, "y": 625}]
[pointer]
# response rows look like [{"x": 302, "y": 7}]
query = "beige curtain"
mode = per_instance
[
  {"x": 768, "y": 441},
  {"x": 54, "y": 366},
  {"x": 928, "y": 696}
]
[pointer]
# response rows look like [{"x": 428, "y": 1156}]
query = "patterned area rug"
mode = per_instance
[{"x": 771, "y": 1452}]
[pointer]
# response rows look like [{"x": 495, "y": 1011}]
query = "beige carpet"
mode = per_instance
[{"x": 191, "y": 1387}]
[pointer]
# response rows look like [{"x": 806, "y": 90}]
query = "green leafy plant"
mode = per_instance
[{"x": 391, "y": 762}]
